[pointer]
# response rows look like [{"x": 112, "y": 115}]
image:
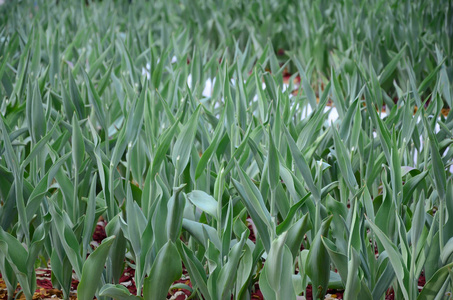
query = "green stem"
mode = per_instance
[
  {"x": 138, "y": 275},
  {"x": 75, "y": 213},
  {"x": 111, "y": 207},
  {"x": 175, "y": 178},
  {"x": 441, "y": 224},
  {"x": 128, "y": 165},
  {"x": 208, "y": 177},
  {"x": 273, "y": 199},
  {"x": 106, "y": 132},
  {"x": 317, "y": 217}
]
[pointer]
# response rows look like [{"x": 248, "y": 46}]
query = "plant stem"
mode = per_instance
[{"x": 75, "y": 213}]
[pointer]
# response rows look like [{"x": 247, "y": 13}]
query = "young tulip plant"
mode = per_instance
[{"x": 217, "y": 158}]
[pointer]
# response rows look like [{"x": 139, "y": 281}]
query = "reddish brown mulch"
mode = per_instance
[
  {"x": 127, "y": 279},
  {"x": 99, "y": 232},
  {"x": 250, "y": 226}
]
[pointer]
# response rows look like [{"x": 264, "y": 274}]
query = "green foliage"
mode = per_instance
[{"x": 175, "y": 121}]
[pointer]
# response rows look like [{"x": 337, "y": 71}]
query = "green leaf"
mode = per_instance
[
  {"x": 395, "y": 257},
  {"x": 55, "y": 60},
  {"x": 309, "y": 92},
  {"x": 94, "y": 100},
  {"x": 339, "y": 259},
  {"x": 283, "y": 226},
  {"x": 118, "y": 292},
  {"x": 38, "y": 123},
  {"x": 68, "y": 239},
  {"x": 352, "y": 288},
  {"x": 318, "y": 262},
  {"x": 411, "y": 185},
  {"x": 428, "y": 79},
  {"x": 92, "y": 270},
  {"x": 195, "y": 269},
  {"x": 162, "y": 148},
  {"x": 165, "y": 270},
  {"x": 274, "y": 262},
  {"x": 227, "y": 276},
  {"x": 202, "y": 232},
  {"x": 90, "y": 215},
  {"x": 255, "y": 206},
  {"x": 344, "y": 162},
  {"x": 244, "y": 272},
  {"x": 391, "y": 66},
  {"x": 283, "y": 287},
  {"x": 136, "y": 223},
  {"x": 206, "y": 156},
  {"x": 38, "y": 147},
  {"x": 433, "y": 287},
  {"x": 204, "y": 202},
  {"x": 274, "y": 166},
  {"x": 175, "y": 213},
  {"x": 75, "y": 97},
  {"x": 296, "y": 234},
  {"x": 17, "y": 257},
  {"x": 99, "y": 62},
  {"x": 302, "y": 165},
  {"x": 184, "y": 143},
  {"x": 78, "y": 146}
]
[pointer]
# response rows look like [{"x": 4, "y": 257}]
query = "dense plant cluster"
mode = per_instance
[{"x": 279, "y": 146}]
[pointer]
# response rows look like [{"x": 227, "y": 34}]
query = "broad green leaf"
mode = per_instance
[
  {"x": 339, "y": 259},
  {"x": 38, "y": 123},
  {"x": 318, "y": 262},
  {"x": 204, "y": 202},
  {"x": 175, "y": 214},
  {"x": 116, "y": 291},
  {"x": 433, "y": 286},
  {"x": 92, "y": 270},
  {"x": 352, "y": 287},
  {"x": 283, "y": 287},
  {"x": 296, "y": 234},
  {"x": 166, "y": 269},
  {"x": 244, "y": 271}
]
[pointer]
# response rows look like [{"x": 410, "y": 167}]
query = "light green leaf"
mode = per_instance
[
  {"x": 204, "y": 202},
  {"x": 184, "y": 143},
  {"x": 92, "y": 270},
  {"x": 165, "y": 270}
]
